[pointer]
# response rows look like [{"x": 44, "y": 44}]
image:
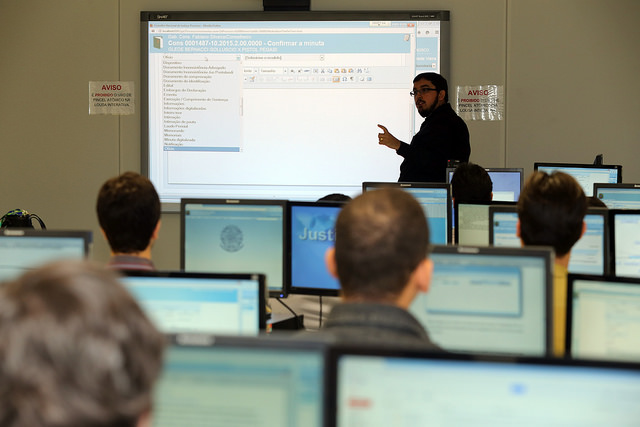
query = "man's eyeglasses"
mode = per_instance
[{"x": 422, "y": 91}]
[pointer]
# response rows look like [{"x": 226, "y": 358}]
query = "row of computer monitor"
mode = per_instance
[
  {"x": 482, "y": 299},
  {"x": 224, "y": 381}
]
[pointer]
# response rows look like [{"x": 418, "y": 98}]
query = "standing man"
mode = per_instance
[
  {"x": 443, "y": 135},
  {"x": 551, "y": 211}
]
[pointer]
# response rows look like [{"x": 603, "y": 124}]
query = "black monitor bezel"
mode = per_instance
[
  {"x": 543, "y": 252},
  {"x": 560, "y": 166},
  {"x": 336, "y": 352},
  {"x": 571, "y": 278},
  {"x": 85, "y": 235},
  {"x": 300, "y": 290},
  {"x": 372, "y": 185},
  {"x": 456, "y": 235},
  {"x": 262, "y": 294},
  {"x": 274, "y": 293},
  {"x": 620, "y": 185},
  {"x": 612, "y": 234}
]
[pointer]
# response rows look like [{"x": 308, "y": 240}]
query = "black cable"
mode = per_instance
[
  {"x": 288, "y": 308},
  {"x": 320, "y": 314}
]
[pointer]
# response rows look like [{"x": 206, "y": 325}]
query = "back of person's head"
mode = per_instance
[
  {"x": 128, "y": 209},
  {"x": 551, "y": 209},
  {"x": 438, "y": 81},
  {"x": 471, "y": 183},
  {"x": 76, "y": 350},
  {"x": 20, "y": 218},
  {"x": 335, "y": 197},
  {"x": 381, "y": 237}
]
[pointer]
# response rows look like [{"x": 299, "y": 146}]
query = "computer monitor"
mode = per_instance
[
  {"x": 618, "y": 196},
  {"x": 488, "y": 300},
  {"x": 310, "y": 232},
  {"x": 589, "y": 255},
  {"x": 230, "y": 304},
  {"x": 435, "y": 199},
  {"x": 384, "y": 387},
  {"x": 472, "y": 222},
  {"x": 585, "y": 174},
  {"x": 507, "y": 182},
  {"x": 25, "y": 249},
  {"x": 603, "y": 317},
  {"x": 235, "y": 236},
  {"x": 227, "y": 381},
  {"x": 625, "y": 242}
]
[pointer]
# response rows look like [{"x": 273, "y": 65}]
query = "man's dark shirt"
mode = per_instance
[{"x": 443, "y": 136}]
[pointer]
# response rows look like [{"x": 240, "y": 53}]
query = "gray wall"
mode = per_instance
[{"x": 567, "y": 66}]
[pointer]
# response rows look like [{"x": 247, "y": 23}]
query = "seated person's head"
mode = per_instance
[
  {"x": 76, "y": 350},
  {"x": 382, "y": 239},
  {"x": 471, "y": 183},
  {"x": 335, "y": 197},
  {"x": 128, "y": 209},
  {"x": 551, "y": 211}
]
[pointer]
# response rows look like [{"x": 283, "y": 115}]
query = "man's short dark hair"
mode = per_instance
[
  {"x": 471, "y": 183},
  {"x": 551, "y": 209},
  {"x": 76, "y": 349},
  {"x": 437, "y": 80},
  {"x": 381, "y": 237},
  {"x": 128, "y": 209}
]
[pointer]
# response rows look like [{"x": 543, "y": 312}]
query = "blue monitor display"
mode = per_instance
[
  {"x": 585, "y": 174},
  {"x": 603, "y": 317},
  {"x": 22, "y": 250},
  {"x": 488, "y": 300},
  {"x": 222, "y": 381},
  {"x": 618, "y": 196},
  {"x": 311, "y": 231},
  {"x": 589, "y": 255},
  {"x": 380, "y": 388},
  {"x": 507, "y": 182},
  {"x": 235, "y": 236},
  {"x": 626, "y": 242},
  {"x": 231, "y": 304},
  {"x": 435, "y": 199}
]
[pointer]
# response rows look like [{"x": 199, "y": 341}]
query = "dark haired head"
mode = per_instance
[
  {"x": 471, "y": 183},
  {"x": 551, "y": 209},
  {"x": 437, "y": 80},
  {"x": 76, "y": 349},
  {"x": 381, "y": 237},
  {"x": 128, "y": 209},
  {"x": 335, "y": 197}
]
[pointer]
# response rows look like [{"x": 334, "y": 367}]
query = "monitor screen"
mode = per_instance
[
  {"x": 618, "y": 196},
  {"x": 231, "y": 101},
  {"x": 230, "y": 304},
  {"x": 235, "y": 236},
  {"x": 377, "y": 388},
  {"x": 221, "y": 381},
  {"x": 589, "y": 255},
  {"x": 603, "y": 317},
  {"x": 507, "y": 182},
  {"x": 625, "y": 242},
  {"x": 585, "y": 174},
  {"x": 310, "y": 232},
  {"x": 488, "y": 300},
  {"x": 435, "y": 199},
  {"x": 22, "y": 250},
  {"x": 472, "y": 223}
]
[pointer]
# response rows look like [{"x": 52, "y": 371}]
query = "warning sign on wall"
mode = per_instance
[
  {"x": 111, "y": 98},
  {"x": 485, "y": 102}
]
